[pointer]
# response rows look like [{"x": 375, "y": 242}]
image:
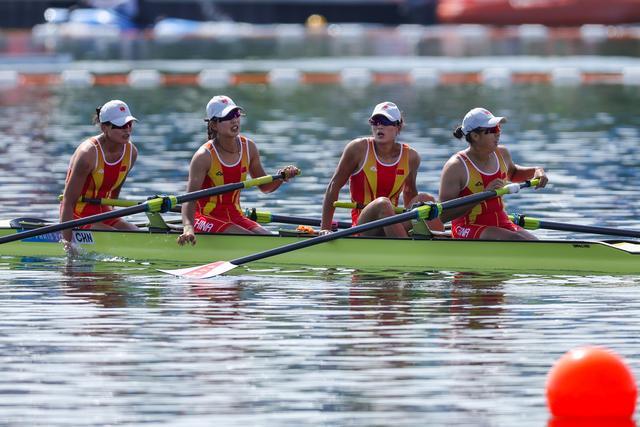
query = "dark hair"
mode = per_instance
[
  {"x": 211, "y": 133},
  {"x": 96, "y": 117},
  {"x": 458, "y": 133}
]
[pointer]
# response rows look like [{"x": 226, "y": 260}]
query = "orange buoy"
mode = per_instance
[{"x": 591, "y": 381}]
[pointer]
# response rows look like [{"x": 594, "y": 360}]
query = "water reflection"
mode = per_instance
[
  {"x": 107, "y": 289},
  {"x": 476, "y": 300}
]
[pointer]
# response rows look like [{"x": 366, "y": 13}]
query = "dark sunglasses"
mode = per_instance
[
  {"x": 495, "y": 129},
  {"x": 127, "y": 125},
  {"x": 381, "y": 120},
  {"x": 232, "y": 115}
]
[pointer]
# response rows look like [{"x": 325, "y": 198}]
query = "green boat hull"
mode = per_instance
[{"x": 160, "y": 248}]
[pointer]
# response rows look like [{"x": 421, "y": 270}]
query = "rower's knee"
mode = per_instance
[{"x": 383, "y": 206}]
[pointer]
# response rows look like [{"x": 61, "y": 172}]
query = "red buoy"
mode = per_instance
[{"x": 591, "y": 381}]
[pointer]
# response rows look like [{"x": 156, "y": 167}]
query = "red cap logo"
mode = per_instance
[{"x": 122, "y": 108}]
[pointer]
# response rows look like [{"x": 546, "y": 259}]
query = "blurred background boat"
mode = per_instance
[
  {"x": 544, "y": 12},
  {"x": 144, "y": 14}
]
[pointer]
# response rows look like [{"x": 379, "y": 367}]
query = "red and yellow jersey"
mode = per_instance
[
  {"x": 219, "y": 174},
  {"x": 103, "y": 180},
  {"x": 490, "y": 212},
  {"x": 376, "y": 179}
]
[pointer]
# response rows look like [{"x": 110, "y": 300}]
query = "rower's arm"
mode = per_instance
[
  {"x": 348, "y": 164},
  {"x": 452, "y": 181},
  {"x": 256, "y": 169},
  {"x": 200, "y": 164},
  {"x": 519, "y": 173},
  {"x": 81, "y": 166},
  {"x": 410, "y": 190}
]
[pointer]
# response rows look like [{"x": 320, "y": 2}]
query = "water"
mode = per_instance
[{"x": 115, "y": 343}]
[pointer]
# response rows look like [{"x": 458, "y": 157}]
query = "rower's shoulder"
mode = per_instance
[
  {"x": 88, "y": 146},
  {"x": 454, "y": 163}
]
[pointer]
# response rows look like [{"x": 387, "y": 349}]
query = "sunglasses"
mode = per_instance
[
  {"x": 232, "y": 115},
  {"x": 127, "y": 125},
  {"x": 495, "y": 129},
  {"x": 381, "y": 120}
]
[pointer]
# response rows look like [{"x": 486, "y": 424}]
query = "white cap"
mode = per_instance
[
  {"x": 480, "y": 118},
  {"x": 389, "y": 110},
  {"x": 116, "y": 112},
  {"x": 219, "y": 106}
]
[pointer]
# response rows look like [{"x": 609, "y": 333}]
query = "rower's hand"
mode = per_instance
[
  {"x": 324, "y": 232},
  {"x": 289, "y": 172},
  {"x": 542, "y": 176},
  {"x": 72, "y": 249},
  {"x": 495, "y": 184},
  {"x": 187, "y": 236}
]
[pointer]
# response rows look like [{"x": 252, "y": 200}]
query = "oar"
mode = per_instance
[
  {"x": 420, "y": 212},
  {"x": 157, "y": 204},
  {"x": 264, "y": 217},
  {"x": 534, "y": 224},
  {"x": 354, "y": 205},
  {"x": 115, "y": 202}
]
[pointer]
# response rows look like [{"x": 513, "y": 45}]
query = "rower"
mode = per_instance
[
  {"x": 379, "y": 170},
  {"x": 225, "y": 158},
  {"x": 483, "y": 165},
  {"x": 98, "y": 169}
]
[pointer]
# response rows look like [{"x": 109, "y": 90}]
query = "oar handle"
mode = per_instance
[{"x": 229, "y": 187}]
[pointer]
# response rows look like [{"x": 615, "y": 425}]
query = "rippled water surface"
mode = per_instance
[{"x": 115, "y": 343}]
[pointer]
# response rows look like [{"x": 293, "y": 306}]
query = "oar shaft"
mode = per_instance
[
  {"x": 119, "y": 203},
  {"x": 228, "y": 187},
  {"x": 74, "y": 223},
  {"x": 106, "y": 201},
  {"x": 158, "y": 204},
  {"x": 418, "y": 212},
  {"x": 534, "y": 224},
  {"x": 267, "y": 217},
  {"x": 307, "y": 221},
  {"x": 332, "y": 236}
]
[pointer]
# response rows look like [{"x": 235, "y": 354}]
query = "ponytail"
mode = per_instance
[
  {"x": 458, "y": 133},
  {"x": 96, "y": 117}
]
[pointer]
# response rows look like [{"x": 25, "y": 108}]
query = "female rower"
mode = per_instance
[
  {"x": 484, "y": 165},
  {"x": 98, "y": 168},
  {"x": 225, "y": 158},
  {"x": 379, "y": 169}
]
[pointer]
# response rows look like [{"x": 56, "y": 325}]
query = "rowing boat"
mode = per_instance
[{"x": 361, "y": 253}]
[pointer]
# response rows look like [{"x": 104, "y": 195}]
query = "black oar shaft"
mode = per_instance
[
  {"x": 416, "y": 213},
  {"x": 74, "y": 223},
  {"x": 328, "y": 237},
  {"x": 267, "y": 217},
  {"x": 150, "y": 205},
  {"x": 533, "y": 223},
  {"x": 286, "y": 219}
]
